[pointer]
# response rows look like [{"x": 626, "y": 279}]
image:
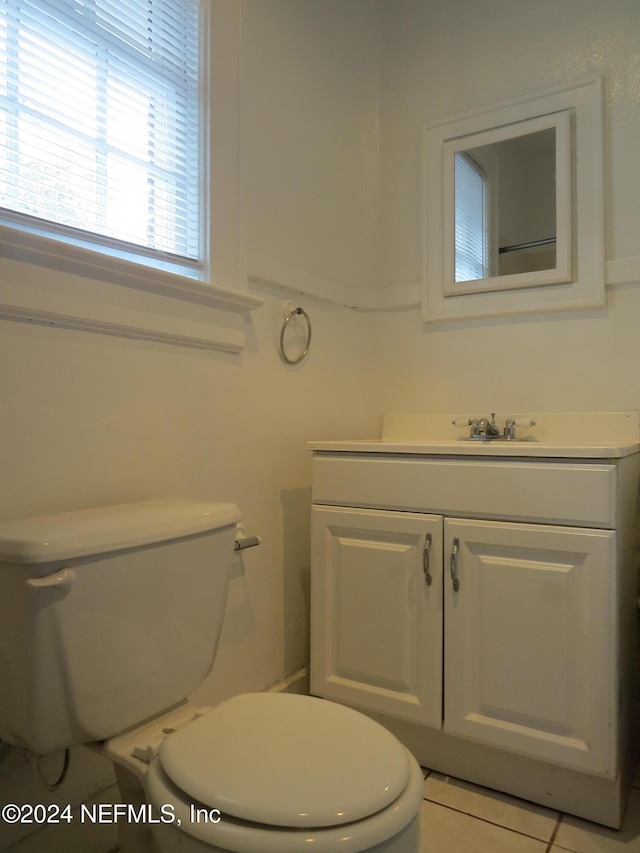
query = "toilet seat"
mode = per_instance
[
  {"x": 287, "y": 771},
  {"x": 287, "y": 760}
]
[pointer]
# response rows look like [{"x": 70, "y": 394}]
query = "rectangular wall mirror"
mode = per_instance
[
  {"x": 517, "y": 181},
  {"x": 508, "y": 207},
  {"x": 513, "y": 217}
]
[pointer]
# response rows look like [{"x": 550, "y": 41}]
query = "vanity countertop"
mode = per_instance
[
  {"x": 464, "y": 447},
  {"x": 582, "y": 435}
]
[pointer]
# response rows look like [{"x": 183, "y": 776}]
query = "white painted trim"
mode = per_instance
[
  {"x": 400, "y": 298},
  {"x": 395, "y": 297},
  {"x": 121, "y": 330},
  {"x": 272, "y": 273},
  {"x": 298, "y": 682},
  {"x": 55, "y": 254},
  {"x": 622, "y": 271},
  {"x": 54, "y": 297}
]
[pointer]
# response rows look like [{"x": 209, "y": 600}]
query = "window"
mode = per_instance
[
  {"x": 100, "y": 128},
  {"x": 471, "y": 225}
]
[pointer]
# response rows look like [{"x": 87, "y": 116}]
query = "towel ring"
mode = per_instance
[{"x": 296, "y": 311}]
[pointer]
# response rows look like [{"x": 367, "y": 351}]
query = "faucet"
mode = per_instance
[
  {"x": 483, "y": 428},
  {"x": 486, "y": 427}
]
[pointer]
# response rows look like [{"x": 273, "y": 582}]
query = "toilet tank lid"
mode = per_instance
[{"x": 86, "y": 532}]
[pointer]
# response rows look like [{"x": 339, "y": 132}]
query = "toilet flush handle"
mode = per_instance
[{"x": 61, "y": 580}]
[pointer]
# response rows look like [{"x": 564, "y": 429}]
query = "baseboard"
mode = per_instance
[{"x": 298, "y": 682}]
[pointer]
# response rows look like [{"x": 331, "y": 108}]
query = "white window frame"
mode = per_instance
[{"x": 53, "y": 281}]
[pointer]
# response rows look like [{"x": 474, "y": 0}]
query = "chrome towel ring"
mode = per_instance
[{"x": 293, "y": 313}]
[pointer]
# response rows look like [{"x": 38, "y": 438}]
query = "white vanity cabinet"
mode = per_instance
[
  {"x": 376, "y": 622},
  {"x": 526, "y": 634},
  {"x": 480, "y": 600},
  {"x": 530, "y": 661}
]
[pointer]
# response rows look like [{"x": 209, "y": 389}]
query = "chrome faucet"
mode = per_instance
[
  {"x": 483, "y": 428},
  {"x": 487, "y": 428}
]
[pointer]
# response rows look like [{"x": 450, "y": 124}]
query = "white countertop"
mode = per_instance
[
  {"x": 465, "y": 447},
  {"x": 569, "y": 435}
]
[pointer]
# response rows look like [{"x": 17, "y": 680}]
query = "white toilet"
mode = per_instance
[{"x": 110, "y": 618}]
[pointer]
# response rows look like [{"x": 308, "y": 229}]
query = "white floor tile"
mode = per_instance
[
  {"x": 444, "y": 830},
  {"x": 491, "y": 806},
  {"x": 581, "y": 836},
  {"x": 82, "y": 836}
]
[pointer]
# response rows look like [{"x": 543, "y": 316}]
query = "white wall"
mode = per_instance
[
  {"x": 445, "y": 58},
  {"x": 312, "y": 134}
]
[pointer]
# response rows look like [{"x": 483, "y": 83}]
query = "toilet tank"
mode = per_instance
[{"x": 108, "y": 616}]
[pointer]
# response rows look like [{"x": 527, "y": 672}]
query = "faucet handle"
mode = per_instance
[
  {"x": 512, "y": 423},
  {"x": 467, "y": 422}
]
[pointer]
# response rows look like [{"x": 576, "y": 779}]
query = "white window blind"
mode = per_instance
[
  {"x": 99, "y": 124},
  {"x": 471, "y": 227}
]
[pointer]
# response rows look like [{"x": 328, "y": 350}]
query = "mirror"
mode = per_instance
[
  {"x": 505, "y": 207},
  {"x": 506, "y": 188},
  {"x": 514, "y": 207}
]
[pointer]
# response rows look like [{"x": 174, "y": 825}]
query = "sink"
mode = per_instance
[{"x": 556, "y": 434}]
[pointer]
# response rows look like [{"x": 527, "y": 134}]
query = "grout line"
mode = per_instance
[
  {"x": 554, "y": 835},
  {"x": 500, "y": 825}
]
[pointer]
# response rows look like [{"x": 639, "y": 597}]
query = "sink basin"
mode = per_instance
[{"x": 571, "y": 435}]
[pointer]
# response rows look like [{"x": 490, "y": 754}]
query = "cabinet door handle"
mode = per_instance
[
  {"x": 425, "y": 559},
  {"x": 454, "y": 564}
]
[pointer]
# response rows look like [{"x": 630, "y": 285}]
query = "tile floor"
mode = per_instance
[{"x": 458, "y": 817}]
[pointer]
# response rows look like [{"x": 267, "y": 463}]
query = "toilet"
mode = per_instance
[{"x": 110, "y": 620}]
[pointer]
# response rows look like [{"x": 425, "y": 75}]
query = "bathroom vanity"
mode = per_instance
[{"x": 479, "y": 598}]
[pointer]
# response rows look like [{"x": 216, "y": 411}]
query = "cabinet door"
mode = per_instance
[
  {"x": 376, "y": 622},
  {"x": 530, "y": 661}
]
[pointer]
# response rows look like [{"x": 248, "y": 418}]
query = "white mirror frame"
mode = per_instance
[
  {"x": 577, "y": 280},
  {"x": 561, "y": 273}
]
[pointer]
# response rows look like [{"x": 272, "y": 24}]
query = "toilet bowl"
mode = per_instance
[
  {"x": 109, "y": 618},
  {"x": 273, "y": 773}
]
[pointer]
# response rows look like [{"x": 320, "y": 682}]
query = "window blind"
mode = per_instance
[
  {"x": 471, "y": 237},
  {"x": 99, "y": 122}
]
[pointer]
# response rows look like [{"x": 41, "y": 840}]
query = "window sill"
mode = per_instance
[{"x": 147, "y": 303}]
